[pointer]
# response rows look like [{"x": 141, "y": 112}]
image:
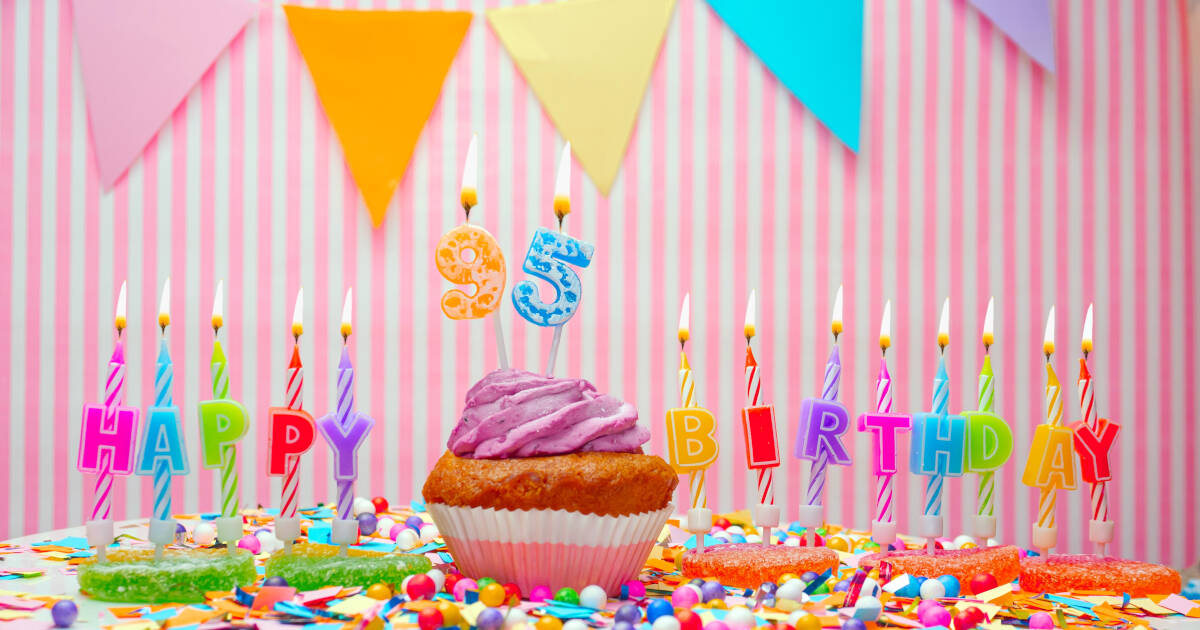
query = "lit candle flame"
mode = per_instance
[
  {"x": 684, "y": 317},
  {"x": 562, "y": 185},
  {"x": 164, "y": 305},
  {"x": 885, "y": 327},
  {"x": 218, "y": 317},
  {"x": 1048, "y": 344},
  {"x": 119, "y": 320},
  {"x": 944, "y": 326},
  {"x": 748, "y": 328},
  {"x": 298, "y": 315},
  {"x": 346, "y": 327},
  {"x": 836, "y": 325},
  {"x": 470, "y": 178},
  {"x": 1086, "y": 343},
  {"x": 989, "y": 335}
]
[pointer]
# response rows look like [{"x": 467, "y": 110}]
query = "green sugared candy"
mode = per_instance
[
  {"x": 311, "y": 567},
  {"x": 180, "y": 576},
  {"x": 566, "y": 595}
]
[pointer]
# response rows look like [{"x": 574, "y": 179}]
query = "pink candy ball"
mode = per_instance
[
  {"x": 464, "y": 585},
  {"x": 250, "y": 543},
  {"x": 926, "y": 603},
  {"x": 395, "y": 531},
  {"x": 716, "y": 625},
  {"x": 1041, "y": 621},
  {"x": 686, "y": 596},
  {"x": 541, "y": 593},
  {"x": 935, "y": 616},
  {"x": 636, "y": 589}
]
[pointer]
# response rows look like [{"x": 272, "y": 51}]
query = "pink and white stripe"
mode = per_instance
[{"x": 1041, "y": 188}]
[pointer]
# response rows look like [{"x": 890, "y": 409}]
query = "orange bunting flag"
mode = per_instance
[{"x": 378, "y": 75}]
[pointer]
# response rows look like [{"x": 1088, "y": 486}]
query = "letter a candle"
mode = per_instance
[{"x": 762, "y": 441}]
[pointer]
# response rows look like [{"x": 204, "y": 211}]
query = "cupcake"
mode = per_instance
[{"x": 544, "y": 483}]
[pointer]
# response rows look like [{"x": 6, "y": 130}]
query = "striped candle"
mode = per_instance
[
  {"x": 295, "y": 400},
  {"x": 687, "y": 398},
  {"x": 1087, "y": 410},
  {"x": 114, "y": 395},
  {"x": 766, "y": 476},
  {"x": 885, "y": 511},
  {"x": 1047, "y": 497},
  {"x": 345, "y": 411},
  {"x": 820, "y": 467},
  {"x": 164, "y": 376},
  {"x": 985, "y": 498},
  {"x": 219, "y": 368},
  {"x": 941, "y": 403}
]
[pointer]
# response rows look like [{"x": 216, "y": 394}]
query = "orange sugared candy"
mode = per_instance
[
  {"x": 1058, "y": 573},
  {"x": 1004, "y": 563},
  {"x": 750, "y": 564}
]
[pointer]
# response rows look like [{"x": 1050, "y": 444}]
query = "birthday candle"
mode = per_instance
[
  {"x": 940, "y": 405},
  {"x": 345, "y": 409},
  {"x": 985, "y": 498},
  {"x": 758, "y": 421},
  {"x": 687, "y": 399},
  {"x": 295, "y": 401},
  {"x": 163, "y": 378},
  {"x": 114, "y": 395},
  {"x": 829, "y": 392},
  {"x": 1087, "y": 410},
  {"x": 885, "y": 494},
  {"x": 219, "y": 369}
]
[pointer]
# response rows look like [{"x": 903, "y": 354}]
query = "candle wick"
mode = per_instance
[
  {"x": 560, "y": 222},
  {"x": 466, "y": 213},
  {"x": 1085, "y": 355},
  {"x": 883, "y": 351},
  {"x": 295, "y": 339}
]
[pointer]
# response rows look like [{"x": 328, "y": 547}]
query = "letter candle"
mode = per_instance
[
  {"x": 291, "y": 432},
  {"x": 762, "y": 441},
  {"x": 345, "y": 430},
  {"x": 1051, "y": 463},
  {"x": 983, "y": 525},
  {"x": 1094, "y": 436},
  {"x": 106, "y": 445},
  {"x": 884, "y": 425},
  {"x": 486, "y": 269},
  {"x": 691, "y": 445},
  {"x": 223, "y": 423},
  {"x": 162, "y": 450},
  {"x": 931, "y": 522},
  {"x": 822, "y": 422}
]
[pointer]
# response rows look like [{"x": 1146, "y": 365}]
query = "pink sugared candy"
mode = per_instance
[
  {"x": 934, "y": 616},
  {"x": 1041, "y": 621},
  {"x": 1003, "y": 563},
  {"x": 1060, "y": 573},
  {"x": 686, "y": 596},
  {"x": 250, "y": 543},
  {"x": 750, "y": 564}
]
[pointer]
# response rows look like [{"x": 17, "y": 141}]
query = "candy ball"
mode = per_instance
[
  {"x": 439, "y": 579},
  {"x": 842, "y": 586},
  {"x": 268, "y": 541},
  {"x": 853, "y": 624},
  {"x": 686, "y": 596},
  {"x": 935, "y": 616},
  {"x": 926, "y": 604},
  {"x": 716, "y": 624},
  {"x": 792, "y": 589},
  {"x": 809, "y": 576},
  {"x": 933, "y": 589},
  {"x": 275, "y": 580},
  {"x": 870, "y": 587},
  {"x": 767, "y": 590},
  {"x": 566, "y": 595},
  {"x": 666, "y": 622},
  {"x": 629, "y": 613},
  {"x": 791, "y": 541},
  {"x": 737, "y": 538},
  {"x": 593, "y": 596},
  {"x": 64, "y": 613},
  {"x": 962, "y": 539},
  {"x": 250, "y": 543},
  {"x": 407, "y": 538},
  {"x": 515, "y": 618},
  {"x": 492, "y": 595},
  {"x": 367, "y": 523},
  {"x": 420, "y": 586},
  {"x": 838, "y": 543},
  {"x": 428, "y": 532},
  {"x": 575, "y": 624},
  {"x": 384, "y": 526},
  {"x": 484, "y": 581},
  {"x": 964, "y": 621},
  {"x": 740, "y": 618},
  {"x": 721, "y": 522},
  {"x": 548, "y": 623},
  {"x": 431, "y": 618},
  {"x": 953, "y": 588},
  {"x": 658, "y": 608},
  {"x": 362, "y": 505},
  {"x": 808, "y": 621},
  {"x": 689, "y": 620},
  {"x": 450, "y": 613},
  {"x": 380, "y": 504},
  {"x": 867, "y": 608},
  {"x": 379, "y": 591},
  {"x": 911, "y": 589},
  {"x": 622, "y": 625},
  {"x": 1041, "y": 621},
  {"x": 489, "y": 619},
  {"x": 512, "y": 594},
  {"x": 633, "y": 589},
  {"x": 711, "y": 590},
  {"x": 750, "y": 538},
  {"x": 449, "y": 582},
  {"x": 180, "y": 533},
  {"x": 540, "y": 593},
  {"x": 205, "y": 533},
  {"x": 983, "y": 582},
  {"x": 462, "y": 586},
  {"x": 414, "y": 522}
]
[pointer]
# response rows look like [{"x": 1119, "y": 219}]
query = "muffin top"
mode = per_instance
[{"x": 514, "y": 413}]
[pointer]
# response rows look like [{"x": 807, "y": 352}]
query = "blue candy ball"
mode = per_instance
[
  {"x": 659, "y": 608},
  {"x": 628, "y": 613},
  {"x": 737, "y": 538},
  {"x": 853, "y": 624},
  {"x": 953, "y": 588},
  {"x": 489, "y": 619},
  {"x": 275, "y": 580},
  {"x": 64, "y": 613},
  {"x": 912, "y": 589},
  {"x": 414, "y": 522},
  {"x": 367, "y": 523}
]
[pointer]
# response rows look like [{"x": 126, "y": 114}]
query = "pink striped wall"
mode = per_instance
[{"x": 980, "y": 174}]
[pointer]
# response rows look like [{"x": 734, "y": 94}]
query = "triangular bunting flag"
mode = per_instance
[
  {"x": 378, "y": 75},
  {"x": 139, "y": 59},
  {"x": 588, "y": 62},
  {"x": 814, "y": 47},
  {"x": 1027, "y": 23}
]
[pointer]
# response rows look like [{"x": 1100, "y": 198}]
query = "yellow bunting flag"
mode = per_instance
[
  {"x": 588, "y": 62},
  {"x": 378, "y": 75}
]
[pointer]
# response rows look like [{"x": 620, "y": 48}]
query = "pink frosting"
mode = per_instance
[{"x": 514, "y": 413}]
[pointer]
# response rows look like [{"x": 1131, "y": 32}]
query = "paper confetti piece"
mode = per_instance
[
  {"x": 1178, "y": 604},
  {"x": 355, "y": 605},
  {"x": 996, "y": 593}
]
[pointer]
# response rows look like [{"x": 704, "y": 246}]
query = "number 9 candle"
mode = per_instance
[
  {"x": 762, "y": 441},
  {"x": 485, "y": 271},
  {"x": 106, "y": 441}
]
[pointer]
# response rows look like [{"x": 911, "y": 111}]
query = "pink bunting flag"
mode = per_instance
[{"x": 139, "y": 59}]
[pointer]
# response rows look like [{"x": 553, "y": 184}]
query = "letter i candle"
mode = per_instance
[
  {"x": 106, "y": 444},
  {"x": 290, "y": 434},
  {"x": 762, "y": 441}
]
